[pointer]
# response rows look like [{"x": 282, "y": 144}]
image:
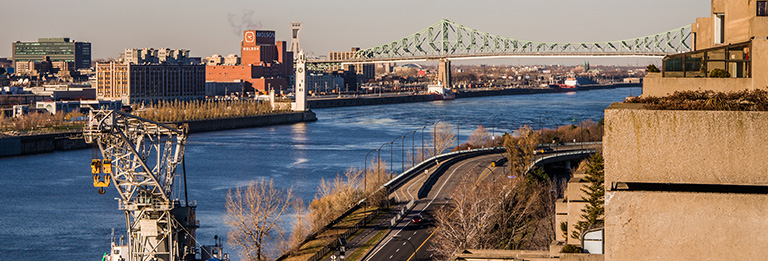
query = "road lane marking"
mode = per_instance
[
  {"x": 454, "y": 210},
  {"x": 389, "y": 239}
]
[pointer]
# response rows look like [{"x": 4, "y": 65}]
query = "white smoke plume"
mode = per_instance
[{"x": 245, "y": 22}]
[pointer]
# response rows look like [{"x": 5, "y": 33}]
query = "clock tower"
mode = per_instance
[{"x": 300, "y": 89}]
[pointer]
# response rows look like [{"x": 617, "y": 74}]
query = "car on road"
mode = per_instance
[
  {"x": 543, "y": 150},
  {"x": 417, "y": 219}
]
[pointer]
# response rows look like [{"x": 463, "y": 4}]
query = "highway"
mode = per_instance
[{"x": 406, "y": 236}]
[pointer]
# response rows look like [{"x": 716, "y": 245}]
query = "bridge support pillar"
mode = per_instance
[{"x": 444, "y": 72}]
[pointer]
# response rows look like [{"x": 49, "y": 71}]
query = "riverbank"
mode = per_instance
[
  {"x": 45, "y": 143},
  {"x": 333, "y": 102}
]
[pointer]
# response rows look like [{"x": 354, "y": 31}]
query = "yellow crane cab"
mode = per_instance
[{"x": 95, "y": 166}]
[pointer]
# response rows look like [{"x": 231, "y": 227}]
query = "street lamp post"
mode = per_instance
[
  {"x": 413, "y": 149},
  {"x": 541, "y": 126},
  {"x": 422, "y": 142},
  {"x": 402, "y": 152},
  {"x": 365, "y": 179},
  {"x": 365, "y": 170},
  {"x": 458, "y": 128},
  {"x": 493, "y": 125},
  {"x": 434, "y": 138},
  {"x": 390, "y": 153},
  {"x": 493, "y": 175},
  {"x": 378, "y": 157}
]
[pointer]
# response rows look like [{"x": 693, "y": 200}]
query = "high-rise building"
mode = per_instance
[
  {"x": 148, "y": 75},
  {"x": 57, "y": 49},
  {"x": 264, "y": 63}
]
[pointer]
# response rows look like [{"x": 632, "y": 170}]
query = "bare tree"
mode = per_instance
[
  {"x": 500, "y": 214},
  {"x": 442, "y": 138},
  {"x": 300, "y": 228},
  {"x": 520, "y": 147},
  {"x": 466, "y": 224},
  {"x": 339, "y": 195},
  {"x": 480, "y": 138},
  {"x": 253, "y": 215}
]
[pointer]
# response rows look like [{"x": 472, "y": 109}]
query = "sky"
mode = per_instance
[{"x": 215, "y": 27}]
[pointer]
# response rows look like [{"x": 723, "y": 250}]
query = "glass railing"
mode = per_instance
[{"x": 734, "y": 58}]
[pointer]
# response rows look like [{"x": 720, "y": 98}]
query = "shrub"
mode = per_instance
[
  {"x": 652, "y": 68},
  {"x": 571, "y": 249},
  {"x": 719, "y": 73},
  {"x": 745, "y": 100}
]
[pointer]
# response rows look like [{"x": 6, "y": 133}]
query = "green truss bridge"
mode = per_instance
[{"x": 446, "y": 40}]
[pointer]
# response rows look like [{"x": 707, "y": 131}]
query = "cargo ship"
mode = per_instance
[
  {"x": 570, "y": 83},
  {"x": 439, "y": 92}
]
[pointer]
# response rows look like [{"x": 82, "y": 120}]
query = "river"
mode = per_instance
[{"x": 50, "y": 211}]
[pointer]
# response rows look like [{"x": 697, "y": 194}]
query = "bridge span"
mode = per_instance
[{"x": 445, "y": 41}]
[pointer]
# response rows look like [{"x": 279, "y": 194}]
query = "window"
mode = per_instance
[
  {"x": 762, "y": 8},
  {"x": 719, "y": 28}
]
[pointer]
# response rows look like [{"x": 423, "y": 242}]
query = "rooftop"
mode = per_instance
[{"x": 745, "y": 100}]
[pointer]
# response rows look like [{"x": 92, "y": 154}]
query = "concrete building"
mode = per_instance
[
  {"x": 6, "y": 63},
  {"x": 232, "y": 59},
  {"x": 693, "y": 185},
  {"x": 224, "y": 88},
  {"x": 215, "y": 59},
  {"x": 734, "y": 38},
  {"x": 364, "y": 71},
  {"x": 55, "y": 107},
  {"x": 57, "y": 49},
  {"x": 157, "y": 56},
  {"x": 568, "y": 210},
  {"x": 149, "y": 75},
  {"x": 323, "y": 82},
  {"x": 264, "y": 63},
  {"x": 65, "y": 92}
]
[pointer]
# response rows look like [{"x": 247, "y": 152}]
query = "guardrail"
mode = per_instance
[
  {"x": 404, "y": 177},
  {"x": 389, "y": 187},
  {"x": 402, "y": 213},
  {"x": 538, "y": 160}
]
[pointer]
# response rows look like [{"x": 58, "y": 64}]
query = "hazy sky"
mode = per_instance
[{"x": 209, "y": 27}]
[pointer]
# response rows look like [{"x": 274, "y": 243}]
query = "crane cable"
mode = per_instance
[{"x": 191, "y": 236}]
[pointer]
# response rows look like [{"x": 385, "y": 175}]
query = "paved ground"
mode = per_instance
[{"x": 406, "y": 237}]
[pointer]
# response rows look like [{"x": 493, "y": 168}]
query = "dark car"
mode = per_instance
[
  {"x": 417, "y": 219},
  {"x": 543, "y": 150}
]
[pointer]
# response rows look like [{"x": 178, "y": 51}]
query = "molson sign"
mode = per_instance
[{"x": 252, "y": 37}]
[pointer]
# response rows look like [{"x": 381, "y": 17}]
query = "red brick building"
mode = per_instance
[{"x": 265, "y": 63}]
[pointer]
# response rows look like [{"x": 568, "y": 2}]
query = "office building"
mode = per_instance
[{"x": 57, "y": 49}]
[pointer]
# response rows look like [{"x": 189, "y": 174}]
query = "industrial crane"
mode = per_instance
[{"x": 140, "y": 158}]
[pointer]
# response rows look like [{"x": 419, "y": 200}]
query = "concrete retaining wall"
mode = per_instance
[
  {"x": 249, "y": 122},
  {"x": 703, "y": 184},
  {"x": 346, "y": 102},
  {"x": 699, "y": 147},
  {"x": 685, "y": 226},
  {"x": 25, "y": 145},
  {"x": 659, "y": 87},
  {"x": 32, "y": 144}
]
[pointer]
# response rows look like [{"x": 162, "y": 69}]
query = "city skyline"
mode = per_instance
[{"x": 208, "y": 28}]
